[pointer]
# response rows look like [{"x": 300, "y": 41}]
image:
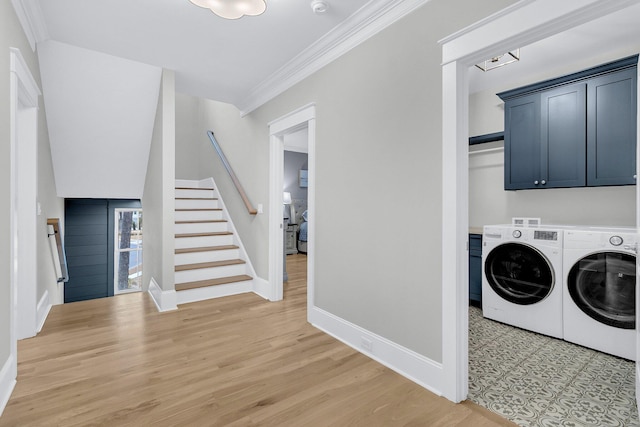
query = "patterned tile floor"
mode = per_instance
[{"x": 535, "y": 380}]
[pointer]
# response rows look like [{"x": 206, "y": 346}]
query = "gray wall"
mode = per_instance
[
  {"x": 379, "y": 127},
  {"x": 293, "y": 162},
  {"x": 158, "y": 200},
  {"x": 490, "y": 204}
]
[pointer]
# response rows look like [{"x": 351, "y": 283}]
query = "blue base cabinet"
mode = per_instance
[{"x": 475, "y": 268}]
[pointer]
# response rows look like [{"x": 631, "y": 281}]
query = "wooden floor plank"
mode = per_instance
[{"x": 234, "y": 361}]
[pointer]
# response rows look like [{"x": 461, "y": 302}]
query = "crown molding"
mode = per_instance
[
  {"x": 369, "y": 20},
  {"x": 32, "y": 21}
]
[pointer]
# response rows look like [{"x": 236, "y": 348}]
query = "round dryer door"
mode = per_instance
[
  {"x": 603, "y": 286},
  {"x": 519, "y": 273}
]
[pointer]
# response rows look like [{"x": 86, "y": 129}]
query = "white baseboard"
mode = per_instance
[
  {"x": 42, "y": 311},
  {"x": 218, "y": 291},
  {"x": 164, "y": 300},
  {"x": 8, "y": 375},
  {"x": 261, "y": 287},
  {"x": 419, "y": 369}
]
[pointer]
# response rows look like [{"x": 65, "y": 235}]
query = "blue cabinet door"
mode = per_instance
[
  {"x": 563, "y": 137},
  {"x": 522, "y": 152},
  {"x": 611, "y": 132},
  {"x": 475, "y": 267}
]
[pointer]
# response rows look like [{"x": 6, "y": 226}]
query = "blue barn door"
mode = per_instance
[{"x": 89, "y": 244}]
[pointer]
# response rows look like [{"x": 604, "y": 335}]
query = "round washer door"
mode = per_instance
[
  {"x": 519, "y": 273},
  {"x": 603, "y": 286}
]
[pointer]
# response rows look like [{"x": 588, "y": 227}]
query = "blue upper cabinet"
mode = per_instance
[
  {"x": 611, "y": 133},
  {"x": 574, "y": 131},
  {"x": 563, "y": 136},
  {"x": 522, "y": 160}
]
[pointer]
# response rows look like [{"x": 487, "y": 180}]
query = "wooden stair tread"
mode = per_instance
[
  {"x": 201, "y": 221},
  {"x": 211, "y": 282},
  {"x": 211, "y": 264},
  {"x": 205, "y": 249},
  {"x": 193, "y": 188},
  {"x": 213, "y": 233},
  {"x": 198, "y": 209}
]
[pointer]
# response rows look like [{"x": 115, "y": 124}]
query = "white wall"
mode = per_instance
[
  {"x": 101, "y": 111},
  {"x": 489, "y": 203},
  {"x": 378, "y": 159},
  {"x": 158, "y": 200}
]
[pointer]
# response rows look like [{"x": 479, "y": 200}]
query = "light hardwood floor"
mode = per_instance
[{"x": 235, "y": 361}]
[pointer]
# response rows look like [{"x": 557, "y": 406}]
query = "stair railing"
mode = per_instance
[{"x": 234, "y": 178}]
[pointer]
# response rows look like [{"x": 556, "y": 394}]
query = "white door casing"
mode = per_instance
[
  {"x": 24, "y": 93},
  {"x": 289, "y": 123},
  {"x": 521, "y": 24}
]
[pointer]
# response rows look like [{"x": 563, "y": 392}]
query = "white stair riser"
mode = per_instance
[
  {"x": 199, "y": 194},
  {"x": 204, "y": 227},
  {"x": 208, "y": 256},
  {"x": 200, "y": 294},
  {"x": 196, "y": 204},
  {"x": 196, "y": 242},
  {"x": 210, "y": 273},
  {"x": 198, "y": 215}
]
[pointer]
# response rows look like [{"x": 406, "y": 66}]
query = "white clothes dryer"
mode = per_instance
[
  {"x": 599, "y": 305},
  {"x": 522, "y": 277}
]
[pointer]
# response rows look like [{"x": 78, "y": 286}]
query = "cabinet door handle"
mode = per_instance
[
  {"x": 535, "y": 182},
  {"x": 543, "y": 182}
]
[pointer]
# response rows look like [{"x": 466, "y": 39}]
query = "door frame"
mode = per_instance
[
  {"x": 521, "y": 24},
  {"x": 24, "y": 93},
  {"x": 304, "y": 116}
]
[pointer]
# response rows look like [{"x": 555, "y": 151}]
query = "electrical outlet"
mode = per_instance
[{"x": 367, "y": 344}]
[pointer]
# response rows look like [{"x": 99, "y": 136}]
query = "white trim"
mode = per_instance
[
  {"x": 218, "y": 291},
  {"x": 30, "y": 91},
  {"x": 417, "y": 368},
  {"x": 23, "y": 123},
  {"x": 210, "y": 183},
  {"x": 261, "y": 287},
  {"x": 164, "y": 300},
  {"x": 42, "y": 310},
  {"x": 372, "y": 18},
  {"x": 32, "y": 21},
  {"x": 8, "y": 375},
  {"x": 528, "y": 24},
  {"x": 288, "y": 123}
]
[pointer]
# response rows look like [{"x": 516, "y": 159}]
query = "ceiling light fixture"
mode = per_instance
[
  {"x": 233, "y": 9},
  {"x": 500, "y": 60}
]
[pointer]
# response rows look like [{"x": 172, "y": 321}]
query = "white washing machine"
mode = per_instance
[
  {"x": 599, "y": 306},
  {"x": 522, "y": 277}
]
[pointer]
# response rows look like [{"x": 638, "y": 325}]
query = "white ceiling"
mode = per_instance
[
  {"x": 606, "y": 39},
  {"x": 247, "y": 61},
  {"x": 214, "y": 58}
]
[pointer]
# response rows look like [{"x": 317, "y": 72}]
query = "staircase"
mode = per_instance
[{"x": 210, "y": 261}]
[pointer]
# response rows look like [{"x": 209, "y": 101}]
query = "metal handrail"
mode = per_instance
[{"x": 234, "y": 178}]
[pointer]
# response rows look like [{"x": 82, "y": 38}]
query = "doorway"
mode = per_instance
[
  {"x": 282, "y": 132},
  {"x": 104, "y": 248},
  {"x": 537, "y": 21}
]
